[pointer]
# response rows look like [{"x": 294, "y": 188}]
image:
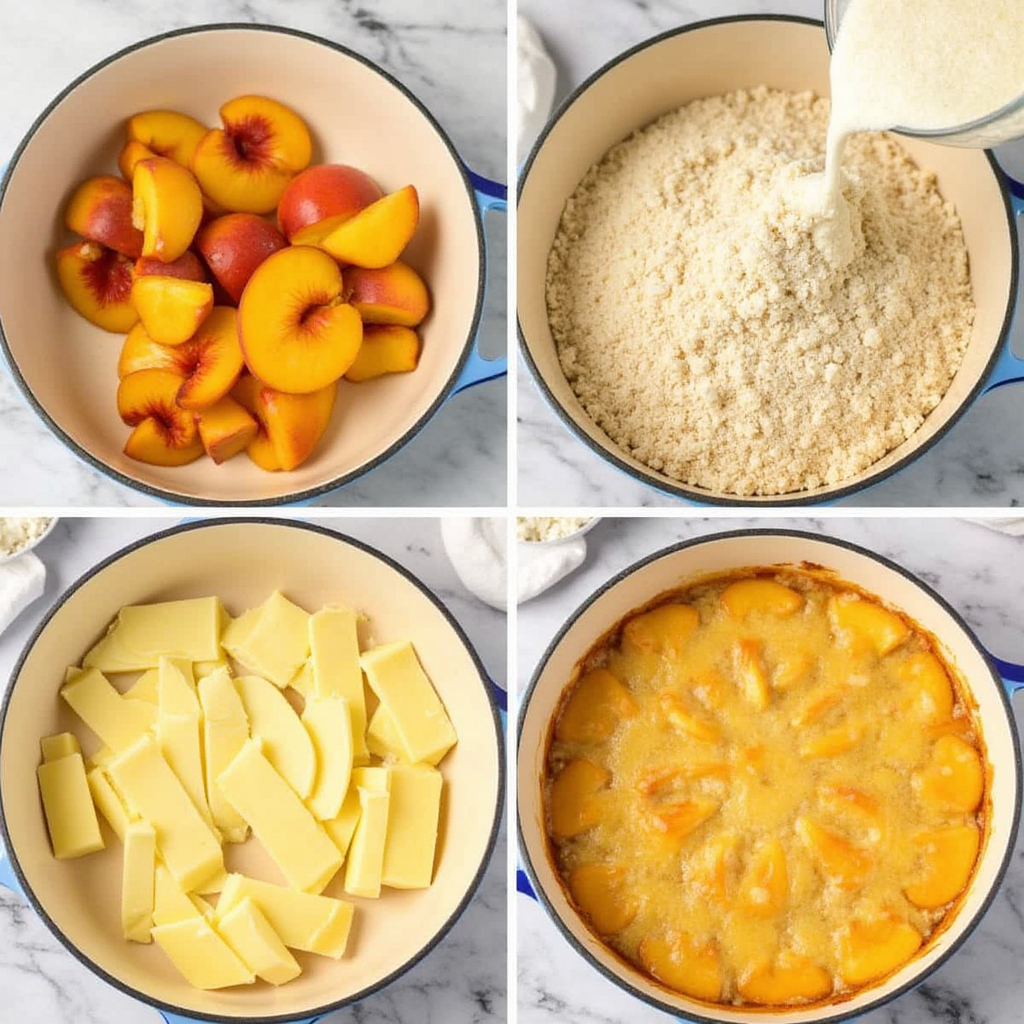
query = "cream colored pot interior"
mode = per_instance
[
  {"x": 242, "y": 563},
  {"x": 356, "y": 117},
  {"x": 675, "y": 569},
  {"x": 709, "y": 61}
]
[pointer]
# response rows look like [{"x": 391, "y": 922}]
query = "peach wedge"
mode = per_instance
[
  {"x": 376, "y": 236},
  {"x": 101, "y": 211},
  {"x": 168, "y": 207},
  {"x": 297, "y": 335},
  {"x": 164, "y": 434},
  {"x": 98, "y": 283},
  {"x": 327, "y": 194},
  {"x": 226, "y": 428},
  {"x": 214, "y": 360},
  {"x": 167, "y": 133},
  {"x": 171, "y": 309},
  {"x": 386, "y": 348},
  {"x": 394, "y": 294}
]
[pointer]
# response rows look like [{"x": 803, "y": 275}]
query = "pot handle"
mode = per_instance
[
  {"x": 524, "y": 885},
  {"x": 174, "y": 1018},
  {"x": 8, "y": 879},
  {"x": 1009, "y": 369},
  {"x": 1012, "y": 674},
  {"x": 490, "y": 195}
]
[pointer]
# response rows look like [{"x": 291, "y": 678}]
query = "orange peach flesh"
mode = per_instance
[
  {"x": 189, "y": 267},
  {"x": 376, "y": 236},
  {"x": 394, "y": 294},
  {"x": 97, "y": 282},
  {"x": 170, "y": 308},
  {"x": 324, "y": 192},
  {"x": 386, "y": 348},
  {"x": 226, "y": 428},
  {"x": 164, "y": 434},
  {"x": 100, "y": 210},
  {"x": 167, "y": 133},
  {"x": 168, "y": 207},
  {"x": 216, "y": 360},
  {"x": 131, "y": 153}
]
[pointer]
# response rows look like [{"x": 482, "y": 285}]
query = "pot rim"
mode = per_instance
[
  {"x": 444, "y": 391},
  {"x": 793, "y": 498},
  {"x": 474, "y": 883},
  {"x": 964, "y": 929}
]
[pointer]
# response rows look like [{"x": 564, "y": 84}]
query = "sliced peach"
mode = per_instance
[
  {"x": 234, "y": 246},
  {"x": 188, "y": 266},
  {"x": 153, "y": 442},
  {"x": 953, "y": 779},
  {"x": 817, "y": 703},
  {"x": 226, "y": 429},
  {"x": 655, "y": 780},
  {"x": 683, "y": 964},
  {"x": 600, "y": 891},
  {"x": 882, "y": 629},
  {"x": 930, "y": 696},
  {"x": 713, "y": 868},
  {"x": 751, "y": 673},
  {"x": 297, "y": 335},
  {"x": 854, "y": 805},
  {"x": 764, "y": 890},
  {"x": 167, "y": 133},
  {"x": 165, "y": 434},
  {"x": 141, "y": 352},
  {"x": 793, "y": 666},
  {"x": 214, "y": 360},
  {"x": 833, "y": 742},
  {"x": 710, "y": 687},
  {"x": 676, "y": 821},
  {"x": 100, "y": 210},
  {"x": 791, "y": 979},
  {"x": 261, "y": 450},
  {"x": 763, "y": 597},
  {"x": 131, "y": 153},
  {"x": 681, "y": 718},
  {"x": 870, "y": 949},
  {"x": 947, "y": 859},
  {"x": 575, "y": 803},
  {"x": 246, "y": 167},
  {"x": 839, "y": 860},
  {"x": 385, "y": 349},
  {"x": 98, "y": 283},
  {"x": 376, "y": 236},
  {"x": 168, "y": 207},
  {"x": 597, "y": 705},
  {"x": 326, "y": 194},
  {"x": 395, "y": 294},
  {"x": 663, "y": 630},
  {"x": 170, "y": 308}
]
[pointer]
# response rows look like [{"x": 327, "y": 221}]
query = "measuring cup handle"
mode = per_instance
[
  {"x": 1011, "y": 673},
  {"x": 8, "y": 879},
  {"x": 1009, "y": 369}
]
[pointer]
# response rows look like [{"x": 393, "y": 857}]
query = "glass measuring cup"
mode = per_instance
[{"x": 1000, "y": 126}]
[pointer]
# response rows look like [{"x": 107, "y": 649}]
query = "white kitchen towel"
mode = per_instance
[
  {"x": 22, "y": 581},
  {"x": 476, "y": 548},
  {"x": 535, "y": 90},
  {"x": 543, "y": 565}
]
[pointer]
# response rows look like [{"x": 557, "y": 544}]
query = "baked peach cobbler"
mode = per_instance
[{"x": 766, "y": 789}]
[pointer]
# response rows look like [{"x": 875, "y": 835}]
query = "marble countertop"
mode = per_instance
[
  {"x": 462, "y": 980},
  {"x": 979, "y": 463},
  {"x": 451, "y": 54},
  {"x": 981, "y": 573}
]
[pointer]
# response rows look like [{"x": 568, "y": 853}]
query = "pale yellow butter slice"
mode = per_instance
[
  {"x": 109, "y": 802},
  {"x": 117, "y": 721},
  {"x": 343, "y": 827},
  {"x": 248, "y": 933},
  {"x": 63, "y": 744},
  {"x": 334, "y": 657},
  {"x": 67, "y": 804},
  {"x": 302, "y": 681},
  {"x": 272, "y": 640},
  {"x": 365, "y": 860},
  {"x": 202, "y": 669},
  {"x": 203, "y": 957},
  {"x": 421, "y": 722},
  {"x": 171, "y": 903},
  {"x": 110, "y": 655},
  {"x": 315, "y": 924},
  {"x": 225, "y": 729},
  {"x": 185, "y": 841},
  {"x": 188, "y": 629},
  {"x": 383, "y": 740},
  {"x": 329, "y": 724},
  {"x": 290, "y": 834},
  {"x": 146, "y": 687},
  {"x": 138, "y": 881},
  {"x": 413, "y": 813}
]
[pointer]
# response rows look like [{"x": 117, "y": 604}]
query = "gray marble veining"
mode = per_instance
[
  {"x": 462, "y": 980},
  {"x": 981, "y": 573}
]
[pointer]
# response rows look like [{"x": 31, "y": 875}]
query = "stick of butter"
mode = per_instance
[
  {"x": 413, "y": 814},
  {"x": 67, "y": 804},
  {"x": 260, "y": 948},
  {"x": 117, "y": 721},
  {"x": 272, "y": 640},
  {"x": 186, "y": 843},
  {"x": 225, "y": 729},
  {"x": 108, "y": 801},
  {"x": 316, "y": 924},
  {"x": 278, "y": 818},
  {"x": 421, "y": 722},
  {"x": 202, "y": 956},
  {"x": 366, "y": 854},
  {"x": 137, "y": 881},
  {"x": 334, "y": 656},
  {"x": 64, "y": 744},
  {"x": 343, "y": 827}
]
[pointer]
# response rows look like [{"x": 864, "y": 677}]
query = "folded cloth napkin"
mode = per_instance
[
  {"x": 22, "y": 581},
  {"x": 543, "y": 565},
  {"x": 535, "y": 90},
  {"x": 476, "y": 548}
]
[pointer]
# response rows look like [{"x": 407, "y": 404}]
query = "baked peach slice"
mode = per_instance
[
  {"x": 168, "y": 207},
  {"x": 714, "y": 868},
  {"x": 297, "y": 334},
  {"x": 225, "y": 428},
  {"x": 833, "y": 742},
  {"x": 870, "y": 949},
  {"x": 682, "y": 963},
  {"x": 599, "y": 702},
  {"x": 377, "y": 235},
  {"x": 954, "y": 778},
  {"x": 234, "y": 246},
  {"x": 246, "y": 166},
  {"x": 882, "y": 629},
  {"x": 759, "y": 596},
  {"x": 684, "y": 720},
  {"x": 751, "y": 673},
  {"x": 930, "y": 690},
  {"x": 171, "y": 308},
  {"x": 947, "y": 857},
  {"x": 324, "y": 196},
  {"x": 764, "y": 890},
  {"x": 600, "y": 891},
  {"x": 791, "y": 979},
  {"x": 663, "y": 630},
  {"x": 164, "y": 434},
  {"x": 100, "y": 210},
  {"x": 674, "y": 822},
  {"x": 167, "y": 133},
  {"x": 97, "y": 282},
  {"x": 840, "y": 861},
  {"x": 394, "y": 294},
  {"x": 575, "y": 798},
  {"x": 386, "y": 348}
]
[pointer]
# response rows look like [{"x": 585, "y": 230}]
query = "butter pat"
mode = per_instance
[
  {"x": 342, "y": 828},
  {"x": 205, "y": 960},
  {"x": 67, "y": 804},
  {"x": 413, "y": 813},
  {"x": 382, "y": 736},
  {"x": 176, "y": 629},
  {"x": 365, "y": 860},
  {"x": 329, "y": 724},
  {"x": 108, "y": 801},
  {"x": 302, "y": 681},
  {"x": 64, "y": 744},
  {"x": 334, "y": 656},
  {"x": 225, "y": 729},
  {"x": 171, "y": 903},
  {"x": 146, "y": 687},
  {"x": 421, "y": 722},
  {"x": 257, "y": 945},
  {"x": 289, "y": 833},
  {"x": 117, "y": 721},
  {"x": 272, "y": 640},
  {"x": 315, "y": 924},
  {"x": 186, "y": 843},
  {"x": 137, "y": 881}
]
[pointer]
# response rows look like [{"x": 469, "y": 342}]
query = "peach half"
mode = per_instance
[
  {"x": 376, "y": 235},
  {"x": 170, "y": 308},
  {"x": 164, "y": 434},
  {"x": 246, "y": 166},
  {"x": 234, "y": 246},
  {"x": 167, "y": 133},
  {"x": 325, "y": 193},
  {"x": 100, "y": 210},
  {"x": 297, "y": 334},
  {"x": 168, "y": 207},
  {"x": 98, "y": 283},
  {"x": 226, "y": 428},
  {"x": 386, "y": 348},
  {"x": 394, "y": 294}
]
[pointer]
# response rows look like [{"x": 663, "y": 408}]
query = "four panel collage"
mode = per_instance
[{"x": 507, "y": 511}]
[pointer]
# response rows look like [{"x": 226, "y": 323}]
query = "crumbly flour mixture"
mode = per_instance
[
  {"x": 723, "y": 329},
  {"x": 17, "y": 533},
  {"x": 534, "y": 529}
]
